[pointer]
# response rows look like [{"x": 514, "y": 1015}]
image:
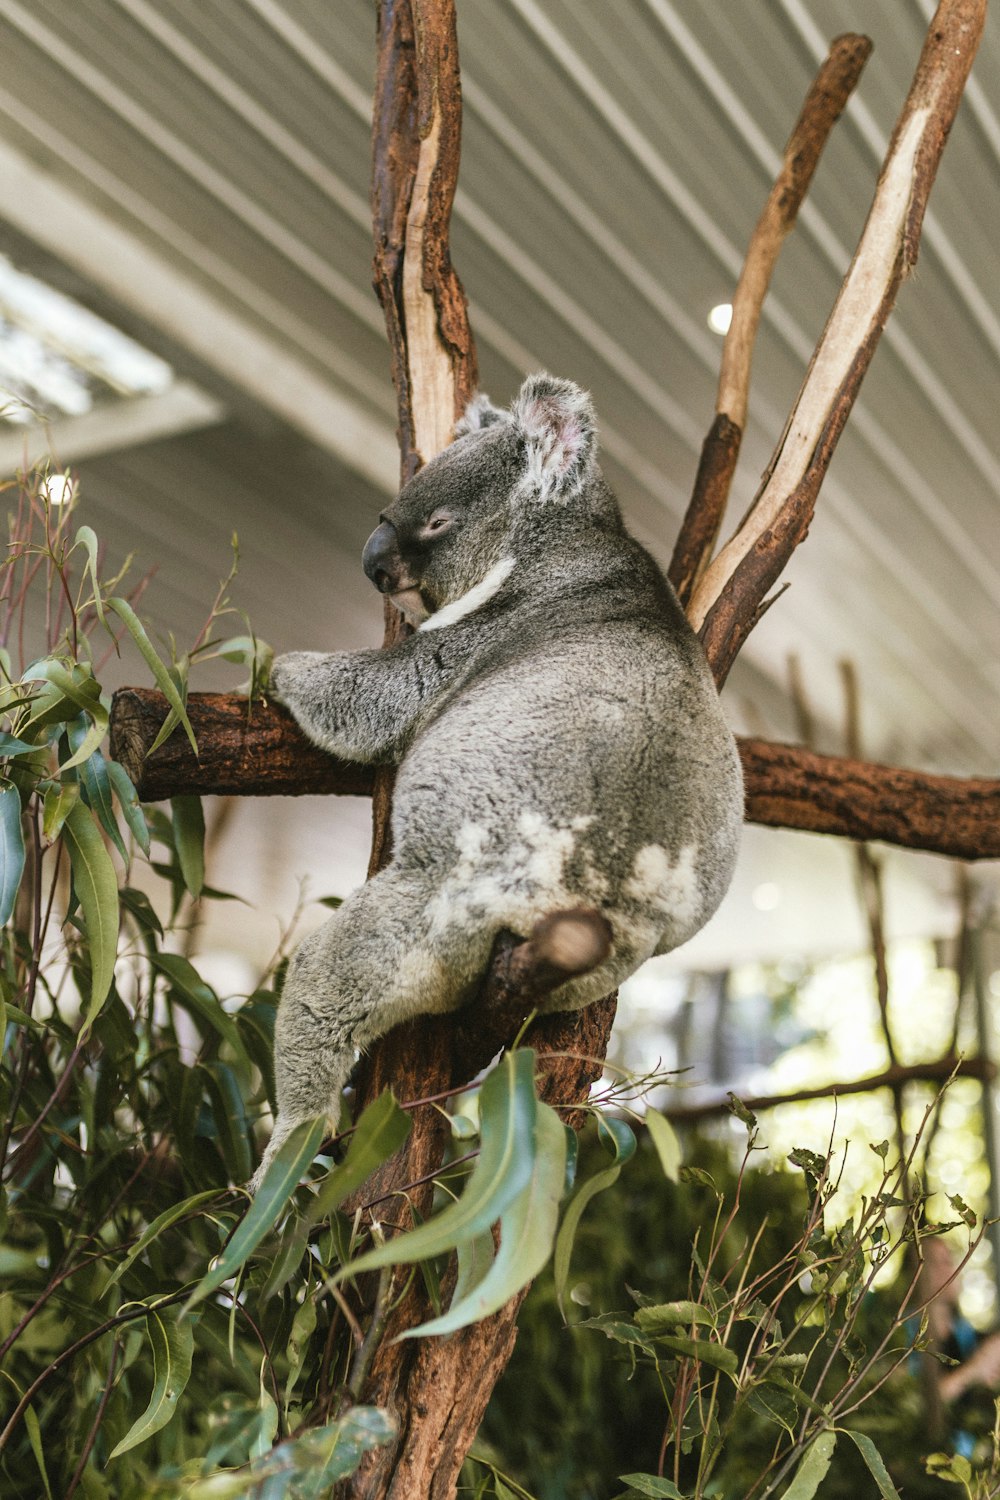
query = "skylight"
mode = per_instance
[{"x": 57, "y": 359}]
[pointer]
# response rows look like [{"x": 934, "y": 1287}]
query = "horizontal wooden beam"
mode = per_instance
[{"x": 257, "y": 750}]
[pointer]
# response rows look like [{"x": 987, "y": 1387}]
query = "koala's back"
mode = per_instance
[{"x": 597, "y": 719}]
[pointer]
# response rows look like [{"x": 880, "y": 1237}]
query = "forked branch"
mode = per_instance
[
  {"x": 729, "y": 600},
  {"x": 823, "y": 106}
]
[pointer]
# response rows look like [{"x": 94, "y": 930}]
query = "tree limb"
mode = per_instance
[
  {"x": 823, "y": 106},
  {"x": 727, "y": 602},
  {"x": 258, "y": 750},
  {"x": 938, "y": 1071}
]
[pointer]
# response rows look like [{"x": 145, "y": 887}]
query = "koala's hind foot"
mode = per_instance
[{"x": 379, "y": 960}]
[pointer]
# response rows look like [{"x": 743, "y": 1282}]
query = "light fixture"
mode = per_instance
[
  {"x": 767, "y": 896},
  {"x": 58, "y": 489},
  {"x": 720, "y": 317}
]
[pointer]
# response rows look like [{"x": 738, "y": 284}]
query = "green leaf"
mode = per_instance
[
  {"x": 128, "y": 801},
  {"x": 58, "y": 802},
  {"x": 152, "y": 1231},
  {"x": 80, "y": 689},
  {"x": 10, "y": 745},
  {"x": 668, "y": 1147},
  {"x": 11, "y": 849},
  {"x": 230, "y": 1119},
  {"x": 303, "y": 1328},
  {"x": 189, "y": 841},
  {"x": 813, "y": 1469},
  {"x": 716, "y": 1355},
  {"x": 35, "y": 1439},
  {"x": 652, "y": 1484},
  {"x": 571, "y": 1220},
  {"x": 507, "y": 1109},
  {"x": 85, "y": 538},
  {"x": 661, "y": 1316},
  {"x": 190, "y": 990},
  {"x": 615, "y": 1326},
  {"x": 97, "y": 888},
  {"x": 274, "y": 1192},
  {"x": 617, "y": 1137},
  {"x": 94, "y": 775},
  {"x": 527, "y": 1228},
  {"x": 381, "y": 1130},
  {"x": 774, "y": 1405},
  {"x": 164, "y": 682},
  {"x": 876, "y": 1466},
  {"x": 173, "y": 1346}
]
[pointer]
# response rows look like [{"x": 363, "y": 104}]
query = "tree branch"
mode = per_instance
[
  {"x": 823, "y": 106},
  {"x": 727, "y": 602},
  {"x": 258, "y": 750},
  {"x": 938, "y": 1071}
]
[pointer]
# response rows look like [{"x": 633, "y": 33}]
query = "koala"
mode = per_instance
[{"x": 557, "y": 731}]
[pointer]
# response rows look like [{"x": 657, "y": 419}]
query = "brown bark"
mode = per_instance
[
  {"x": 823, "y": 106},
  {"x": 938, "y": 1071},
  {"x": 727, "y": 602},
  {"x": 260, "y": 751}
]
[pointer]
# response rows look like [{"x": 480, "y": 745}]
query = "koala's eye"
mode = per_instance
[{"x": 438, "y": 523}]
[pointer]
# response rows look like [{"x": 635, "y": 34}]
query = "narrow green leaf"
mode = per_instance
[
  {"x": 774, "y": 1405},
  {"x": 571, "y": 1220},
  {"x": 303, "y": 1328},
  {"x": 274, "y": 1192},
  {"x": 35, "y": 1439},
  {"x": 94, "y": 775},
  {"x": 80, "y": 689},
  {"x": 11, "y": 745},
  {"x": 668, "y": 1147},
  {"x": 57, "y": 804},
  {"x": 876, "y": 1465},
  {"x": 716, "y": 1355},
  {"x": 507, "y": 1107},
  {"x": 173, "y": 1346},
  {"x": 813, "y": 1469},
  {"x": 652, "y": 1484},
  {"x": 381, "y": 1130},
  {"x": 128, "y": 801},
  {"x": 152, "y": 1231},
  {"x": 664, "y": 1315},
  {"x": 617, "y": 1137},
  {"x": 11, "y": 849},
  {"x": 231, "y": 1120},
  {"x": 85, "y": 538},
  {"x": 189, "y": 841},
  {"x": 475, "y": 1257},
  {"x": 190, "y": 990},
  {"x": 527, "y": 1229},
  {"x": 164, "y": 682},
  {"x": 97, "y": 888}
]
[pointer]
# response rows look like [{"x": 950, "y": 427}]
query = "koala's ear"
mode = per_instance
[
  {"x": 479, "y": 413},
  {"x": 557, "y": 420}
]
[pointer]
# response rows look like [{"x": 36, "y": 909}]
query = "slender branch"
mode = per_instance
[
  {"x": 823, "y": 106},
  {"x": 938, "y": 1071},
  {"x": 726, "y": 604}
]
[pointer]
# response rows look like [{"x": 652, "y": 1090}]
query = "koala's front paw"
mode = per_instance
[{"x": 289, "y": 676}]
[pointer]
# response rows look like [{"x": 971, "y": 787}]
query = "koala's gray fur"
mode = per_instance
[{"x": 557, "y": 731}]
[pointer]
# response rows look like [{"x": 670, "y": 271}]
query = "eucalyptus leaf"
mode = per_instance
[
  {"x": 128, "y": 801},
  {"x": 279, "y": 1182},
  {"x": 11, "y": 849},
  {"x": 155, "y": 1229},
  {"x": 652, "y": 1484},
  {"x": 164, "y": 682},
  {"x": 189, "y": 841},
  {"x": 173, "y": 1348},
  {"x": 86, "y": 538},
  {"x": 190, "y": 990},
  {"x": 875, "y": 1462},
  {"x": 527, "y": 1229},
  {"x": 571, "y": 1221},
  {"x": 668, "y": 1147},
  {"x": 508, "y": 1108},
  {"x": 97, "y": 889},
  {"x": 58, "y": 802},
  {"x": 813, "y": 1469}
]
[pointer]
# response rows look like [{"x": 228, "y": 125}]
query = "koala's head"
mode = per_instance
[{"x": 455, "y": 522}]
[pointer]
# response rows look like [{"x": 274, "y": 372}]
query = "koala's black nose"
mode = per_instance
[{"x": 381, "y": 560}]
